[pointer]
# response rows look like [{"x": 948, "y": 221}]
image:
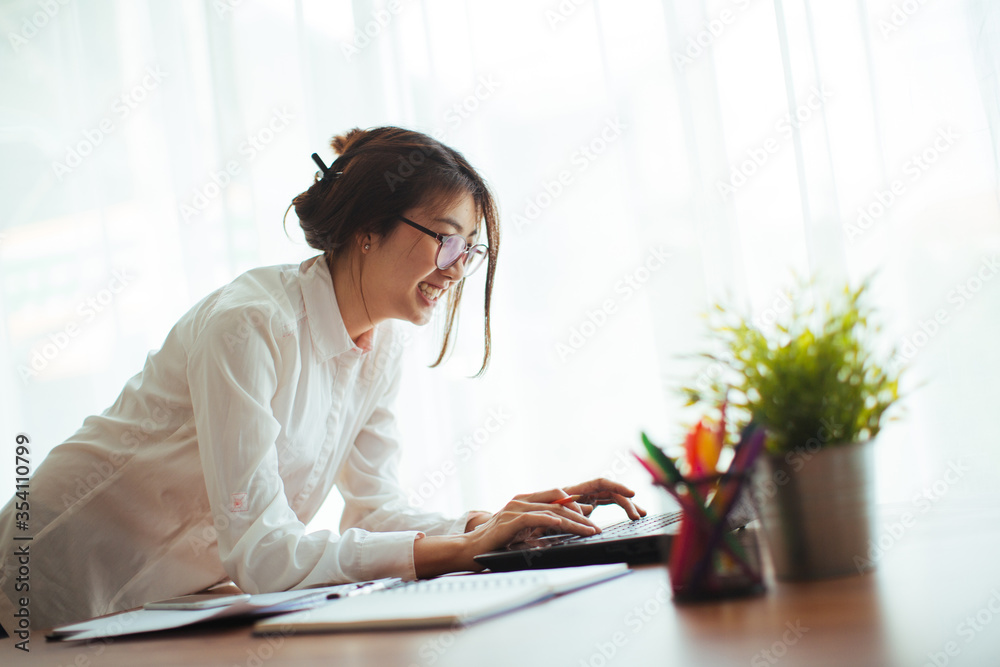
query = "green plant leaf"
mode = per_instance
[{"x": 813, "y": 377}]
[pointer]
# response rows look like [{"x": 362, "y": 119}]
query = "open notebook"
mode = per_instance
[{"x": 444, "y": 601}]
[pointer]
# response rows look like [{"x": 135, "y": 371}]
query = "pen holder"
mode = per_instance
[{"x": 707, "y": 560}]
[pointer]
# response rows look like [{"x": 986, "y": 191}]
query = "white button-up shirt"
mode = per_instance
[{"x": 214, "y": 457}]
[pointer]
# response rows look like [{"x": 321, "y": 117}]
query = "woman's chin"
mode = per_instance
[{"x": 420, "y": 317}]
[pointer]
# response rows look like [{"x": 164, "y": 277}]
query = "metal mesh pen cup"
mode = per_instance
[{"x": 708, "y": 561}]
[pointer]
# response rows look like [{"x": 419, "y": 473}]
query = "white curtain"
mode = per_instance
[{"x": 649, "y": 157}]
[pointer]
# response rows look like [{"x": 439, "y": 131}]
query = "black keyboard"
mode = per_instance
[
  {"x": 636, "y": 542},
  {"x": 650, "y": 524}
]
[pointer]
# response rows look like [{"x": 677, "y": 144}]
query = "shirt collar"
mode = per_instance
[{"x": 326, "y": 325}]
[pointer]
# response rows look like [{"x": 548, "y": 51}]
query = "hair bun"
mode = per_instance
[{"x": 344, "y": 142}]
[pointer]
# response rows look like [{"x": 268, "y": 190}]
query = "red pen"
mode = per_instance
[{"x": 567, "y": 500}]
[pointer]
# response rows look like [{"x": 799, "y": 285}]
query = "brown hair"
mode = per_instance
[{"x": 379, "y": 174}]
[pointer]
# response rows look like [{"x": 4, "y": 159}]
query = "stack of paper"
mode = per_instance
[{"x": 152, "y": 620}]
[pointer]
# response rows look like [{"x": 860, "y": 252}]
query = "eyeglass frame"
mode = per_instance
[{"x": 440, "y": 239}]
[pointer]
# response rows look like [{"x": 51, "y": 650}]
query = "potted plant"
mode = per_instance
[{"x": 812, "y": 380}]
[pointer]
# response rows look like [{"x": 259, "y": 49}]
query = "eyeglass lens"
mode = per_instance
[{"x": 453, "y": 247}]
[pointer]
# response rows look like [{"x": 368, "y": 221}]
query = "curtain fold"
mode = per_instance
[{"x": 650, "y": 158}]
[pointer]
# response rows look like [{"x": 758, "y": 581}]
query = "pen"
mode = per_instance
[
  {"x": 568, "y": 499},
  {"x": 371, "y": 587}
]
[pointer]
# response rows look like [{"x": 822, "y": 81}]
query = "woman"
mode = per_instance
[{"x": 268, "y": 393}]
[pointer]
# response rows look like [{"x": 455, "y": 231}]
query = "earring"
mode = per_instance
[{"x": 368, "y": 247}]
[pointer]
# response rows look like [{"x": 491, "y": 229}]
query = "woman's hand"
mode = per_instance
[
  {"x": 533, "y": 514},
  {"x": 604, "y": 492},
  {"x": 527, "y": 515}
]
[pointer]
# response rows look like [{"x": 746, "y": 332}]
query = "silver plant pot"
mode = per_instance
[{"x": 816, "y": 510}]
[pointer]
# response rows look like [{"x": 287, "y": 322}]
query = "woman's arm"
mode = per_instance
[{"x": 368, "y": 480}]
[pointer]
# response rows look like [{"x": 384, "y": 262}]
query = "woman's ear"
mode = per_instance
[{"x": 365, "y": 243}]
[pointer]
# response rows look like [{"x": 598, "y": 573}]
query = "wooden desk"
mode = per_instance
[{"x": 937, "y": 574}]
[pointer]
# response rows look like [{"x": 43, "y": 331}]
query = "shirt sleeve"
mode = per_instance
[
  {"x": 369, "y": 479},
  {"x": 233, "y": 376}
]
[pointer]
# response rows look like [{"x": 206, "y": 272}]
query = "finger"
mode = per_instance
[
  {"x": 525, "y": 505},
  {"x": 570, "y": 525},
  {"x": 523, "y": 534},
  {"x": 598, "y": 499},
  {"x": 547, "y": 522},
  {"x": 554, "y": 496},
  {"x": 600, "y": 485},
  {"x": 514, "y": 508},
  {"x": 565, "y": 512},
  {"x": 507, "y": 527},
  {"x": 570, "y": 502},
  {"x": 575, "y": 507},
  {"x": 628, "y": 506},
  {"x": 543, "y": 496},
  {"x": 633, "y": 510}
]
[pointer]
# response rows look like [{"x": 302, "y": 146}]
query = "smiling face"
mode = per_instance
[{"x": 401, "y": 278}]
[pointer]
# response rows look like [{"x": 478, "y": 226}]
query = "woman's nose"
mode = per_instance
[{"x": 456, "y": 271}]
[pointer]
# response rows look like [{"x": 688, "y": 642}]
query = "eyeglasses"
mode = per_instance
[{"x": 452, "y": 248}]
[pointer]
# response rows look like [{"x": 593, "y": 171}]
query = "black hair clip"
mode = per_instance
[{"x": 326, "y": 170}]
